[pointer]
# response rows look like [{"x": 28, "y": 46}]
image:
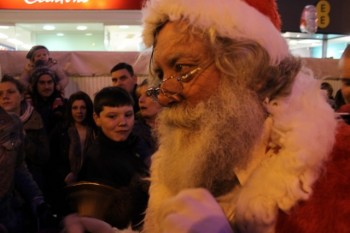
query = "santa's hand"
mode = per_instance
[
  {"x": 73, "y": 223},
  {"x": 193, "y": 211}
]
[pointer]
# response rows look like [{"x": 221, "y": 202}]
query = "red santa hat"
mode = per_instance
[{"x": 250, "y": 19}]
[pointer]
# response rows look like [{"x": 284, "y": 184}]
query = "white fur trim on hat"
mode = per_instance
[{"x": 230, "y": 18}]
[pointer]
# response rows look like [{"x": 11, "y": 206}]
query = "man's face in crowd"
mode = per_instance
[
  {"x": 176, "y": 55},
  {"x": 123, "y": 79},
  {"x": 345, "y": 73},
  {"x": 45, "y": 86}
]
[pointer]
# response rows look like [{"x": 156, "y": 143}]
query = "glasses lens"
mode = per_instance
[{"x": 171, "y": 86}]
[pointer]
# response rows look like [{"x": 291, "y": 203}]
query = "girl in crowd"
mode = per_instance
[
  {"x": 81, "y": 131},
  {"x": 68, "y": 143}
]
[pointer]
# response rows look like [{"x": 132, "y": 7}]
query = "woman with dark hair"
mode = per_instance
[
  {"x": 81, "y": 131},
  {"x": 69, "y": 141}
]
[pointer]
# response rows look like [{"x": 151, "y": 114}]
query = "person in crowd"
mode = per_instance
[
  {"x": 123, "y": 76},
  {"x": 69, "y": 141},
  {"x": 39, "y": 56},
  {"x": 327, "y": 87},
  {"x": 116, "y": 158},
  {"x": 247, "y": 141},
  {"x": 46, "y": 99},
  {"x": 80, "y": 131},
  {"x": 51, "y": 106},
  {"x": 14, "y": 175},
  {"x": 35, "y": 142},
  {"x": 343, "y": 94},
  {"x": 145, "y": 124}
]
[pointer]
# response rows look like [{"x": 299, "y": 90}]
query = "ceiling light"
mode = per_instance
[
  {"x": 88, "y": 34},
  {"x": 81, "y": 27},
  {"x": 4, "y": 27},
  {"x": 49, "y": 27},
  {"x": 60, "y": 34},
  {"x": 123, "y": 26}
]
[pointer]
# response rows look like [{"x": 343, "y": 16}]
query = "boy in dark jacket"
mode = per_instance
[{"x": 117, "y": 157}]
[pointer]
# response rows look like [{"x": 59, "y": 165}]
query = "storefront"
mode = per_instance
[{"x": 71, "y": 25}]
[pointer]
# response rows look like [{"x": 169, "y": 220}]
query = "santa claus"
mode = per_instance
[
  {"x": 243, "y": 119},
  {"x": 245, "y": 135}
]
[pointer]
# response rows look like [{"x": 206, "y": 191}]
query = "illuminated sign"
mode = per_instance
[
  {"x": 71, "y": 4},
  {"x": 333, "y": 15},
  {"x": 323, "y": 10}
]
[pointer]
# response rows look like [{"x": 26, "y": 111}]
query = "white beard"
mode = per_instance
[{"x": 201, "y": 146}]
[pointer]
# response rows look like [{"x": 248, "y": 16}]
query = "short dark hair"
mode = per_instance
[
  {"x": 123, "y": 65},
  {"x": 17, "y": 83},
  {"x": 111, "y": 97}
]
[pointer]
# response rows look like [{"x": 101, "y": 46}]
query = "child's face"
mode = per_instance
[
  {"x": 41, "y": 54},
  {"x": 116, "y": 122}
]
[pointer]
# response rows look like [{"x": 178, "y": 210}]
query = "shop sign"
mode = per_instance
[
  {"x": 71, "y": 4},
  {"x": 323, "y": 10}
]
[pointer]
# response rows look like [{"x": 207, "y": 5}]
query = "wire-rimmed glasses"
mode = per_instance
[{"x": 171, "y": 87}]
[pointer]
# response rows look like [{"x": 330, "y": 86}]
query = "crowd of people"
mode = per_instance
[
  {"x": 237, "y": 137},
  {"x": 70, "y": 140}
]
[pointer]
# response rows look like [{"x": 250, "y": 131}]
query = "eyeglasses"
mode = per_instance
[{"x": 171, "y": 87}]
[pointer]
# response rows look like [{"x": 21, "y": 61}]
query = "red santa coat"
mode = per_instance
[{"x": 328, "y": 209}]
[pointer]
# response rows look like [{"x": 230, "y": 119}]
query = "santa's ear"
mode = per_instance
[{"x": 97, "y": 119}]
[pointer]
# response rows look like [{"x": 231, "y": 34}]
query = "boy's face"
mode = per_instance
[{"x": 116, "y": 122}]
